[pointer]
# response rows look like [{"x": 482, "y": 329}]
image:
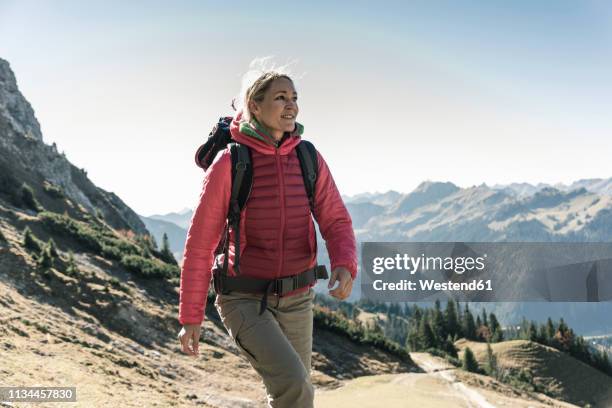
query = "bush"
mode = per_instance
[
  {"x": 445, "y": 355},
  {"x": 71, "y": 268},
  {"x": 81, "y": 231},
  {"x": 28, "y": 199},
  {"x": 333, "y": 322},
  {"x": 45, "y": 259},
  {"x": 53, "y": 191},
  {"x": 52, "y": 248},
  {"x": 102, "y": 240},
  {"x": 148, "y": 267},
  {"x": 30, "y": 241},
  {"x": 521, "y": 379}
]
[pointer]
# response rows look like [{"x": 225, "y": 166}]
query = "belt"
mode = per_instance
[{"x": 280, "y": 286}]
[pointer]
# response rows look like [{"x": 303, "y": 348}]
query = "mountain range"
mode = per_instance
[{"x": 520, "y": 212}]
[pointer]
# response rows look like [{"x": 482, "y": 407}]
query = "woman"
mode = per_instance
[{"x": 277, "y": 239}]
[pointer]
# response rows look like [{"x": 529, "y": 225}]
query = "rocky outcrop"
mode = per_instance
[{"x": 24, "y": 157}]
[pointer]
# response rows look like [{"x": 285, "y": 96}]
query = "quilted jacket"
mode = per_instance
[{"x": 277, "y": 234}]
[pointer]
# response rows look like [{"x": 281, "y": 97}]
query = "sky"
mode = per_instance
[{"x": 391, "y": 93}]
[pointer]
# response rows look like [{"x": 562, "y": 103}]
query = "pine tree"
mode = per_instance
[
  {"x": 496, "y": 330},
  {"x": 491, "y": 364},
  {"x": 166, "y": 252},
  {"x": 449, "y": 346},
  {"x": 450, "y": 318},
  {"x": 532, "y": 332},
  {"x": 425, "y": 335},
  {"x": 550, "y": 331},
  {"x": 469, "y": 361},
  {"x": 484, "y": 317},
  {"x": 469, "y": 327},
  {"x": 438, "y": 324}
]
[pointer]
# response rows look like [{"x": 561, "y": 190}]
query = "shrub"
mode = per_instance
[
  {"x": 53, "y": 190},
  {"x": 30, "y": 241},
  {"x": 81, "y": 231},
  {"x": 52, "y": 248},
  {"x": 333, "y": 322},
  {"x": 28, "y": 199},
  {"x": 148, "y": 267},
  {"x": 99, "y": 214},
  {"x": 114, "y": 282},
  {"x": 71, "y": 268},
  {"x": 45, "y": 259}
]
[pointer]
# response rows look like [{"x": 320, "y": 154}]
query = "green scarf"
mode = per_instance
[{"x": 255, "y": 129}]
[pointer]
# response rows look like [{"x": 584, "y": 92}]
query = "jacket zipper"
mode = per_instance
[{"x": 279, "y": 171}]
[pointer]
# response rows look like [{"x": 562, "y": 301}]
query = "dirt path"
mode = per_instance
[
  {"x": 436, "y": 387},
  {"x": 444, "y": 370}
]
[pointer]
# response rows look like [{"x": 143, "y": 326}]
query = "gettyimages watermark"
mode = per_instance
[{"x": 487, "y": 272}]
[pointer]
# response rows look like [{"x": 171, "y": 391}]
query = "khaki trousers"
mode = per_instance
[{"x": 277, "y": 343}]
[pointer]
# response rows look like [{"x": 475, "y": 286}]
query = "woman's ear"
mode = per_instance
[{"x": 253, "y": 108}]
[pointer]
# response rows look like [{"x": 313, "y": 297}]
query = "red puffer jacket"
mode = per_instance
[{"x": 277, "y": 234}]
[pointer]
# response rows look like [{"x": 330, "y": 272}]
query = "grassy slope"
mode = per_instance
[{"x": 564, "y": 376}]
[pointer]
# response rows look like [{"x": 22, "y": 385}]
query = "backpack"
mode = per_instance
[{"x": 242, "y": 179}]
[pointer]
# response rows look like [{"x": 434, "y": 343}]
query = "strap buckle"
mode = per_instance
[{"x": 285, "y": 285}]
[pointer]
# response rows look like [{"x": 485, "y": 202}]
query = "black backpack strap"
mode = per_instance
[
  {"x": 307, "y": 154},
  {"x": 242, "y": 182}
]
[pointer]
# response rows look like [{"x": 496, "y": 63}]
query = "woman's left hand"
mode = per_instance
[{"x": 345, "y": 283}]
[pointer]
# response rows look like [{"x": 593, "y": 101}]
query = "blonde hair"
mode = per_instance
[{"x": 256, "y": 81}]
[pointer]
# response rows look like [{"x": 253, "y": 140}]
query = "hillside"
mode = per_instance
[{"x": 561, "y": 375}]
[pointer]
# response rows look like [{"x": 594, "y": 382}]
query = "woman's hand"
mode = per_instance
[
  {"x": 189, "y": 336},
  {"x": 345, "y": 283}
]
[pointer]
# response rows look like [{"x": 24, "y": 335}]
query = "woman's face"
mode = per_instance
[{"x": 278, "y": 110}]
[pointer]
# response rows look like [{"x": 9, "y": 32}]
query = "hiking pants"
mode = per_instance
[{"x": 277, "y": 343}]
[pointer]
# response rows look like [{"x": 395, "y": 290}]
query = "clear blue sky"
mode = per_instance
[{"x": 392, "y": 93}]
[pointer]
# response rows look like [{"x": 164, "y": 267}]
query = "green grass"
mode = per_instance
[{"x": 101, "y": 240}]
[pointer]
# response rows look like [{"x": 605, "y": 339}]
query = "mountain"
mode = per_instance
[
  {"x": 441, "y": 211},
  {"x": 176, "y": 235},
  {"x": 57, "y": 183},
  {"x": 181, "y": 218},
  {"x": 382, "y": 199},
  {"x": 485, "y": 214},
  {"x": 595, "y": 185}
]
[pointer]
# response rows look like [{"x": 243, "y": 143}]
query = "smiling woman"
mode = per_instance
[
  {"x": 274, "y": 106},
  {"x": 270, "y": 245}
]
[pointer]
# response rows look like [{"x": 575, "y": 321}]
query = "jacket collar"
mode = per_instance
[{"x": 253, "y": 135}]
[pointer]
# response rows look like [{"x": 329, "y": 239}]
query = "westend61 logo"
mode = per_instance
[
  {"x": 486, "y": 272},
  {"x": 412, "y": 264}
]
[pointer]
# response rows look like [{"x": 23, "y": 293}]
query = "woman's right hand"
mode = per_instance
[{"x": 189, "y": 336}]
